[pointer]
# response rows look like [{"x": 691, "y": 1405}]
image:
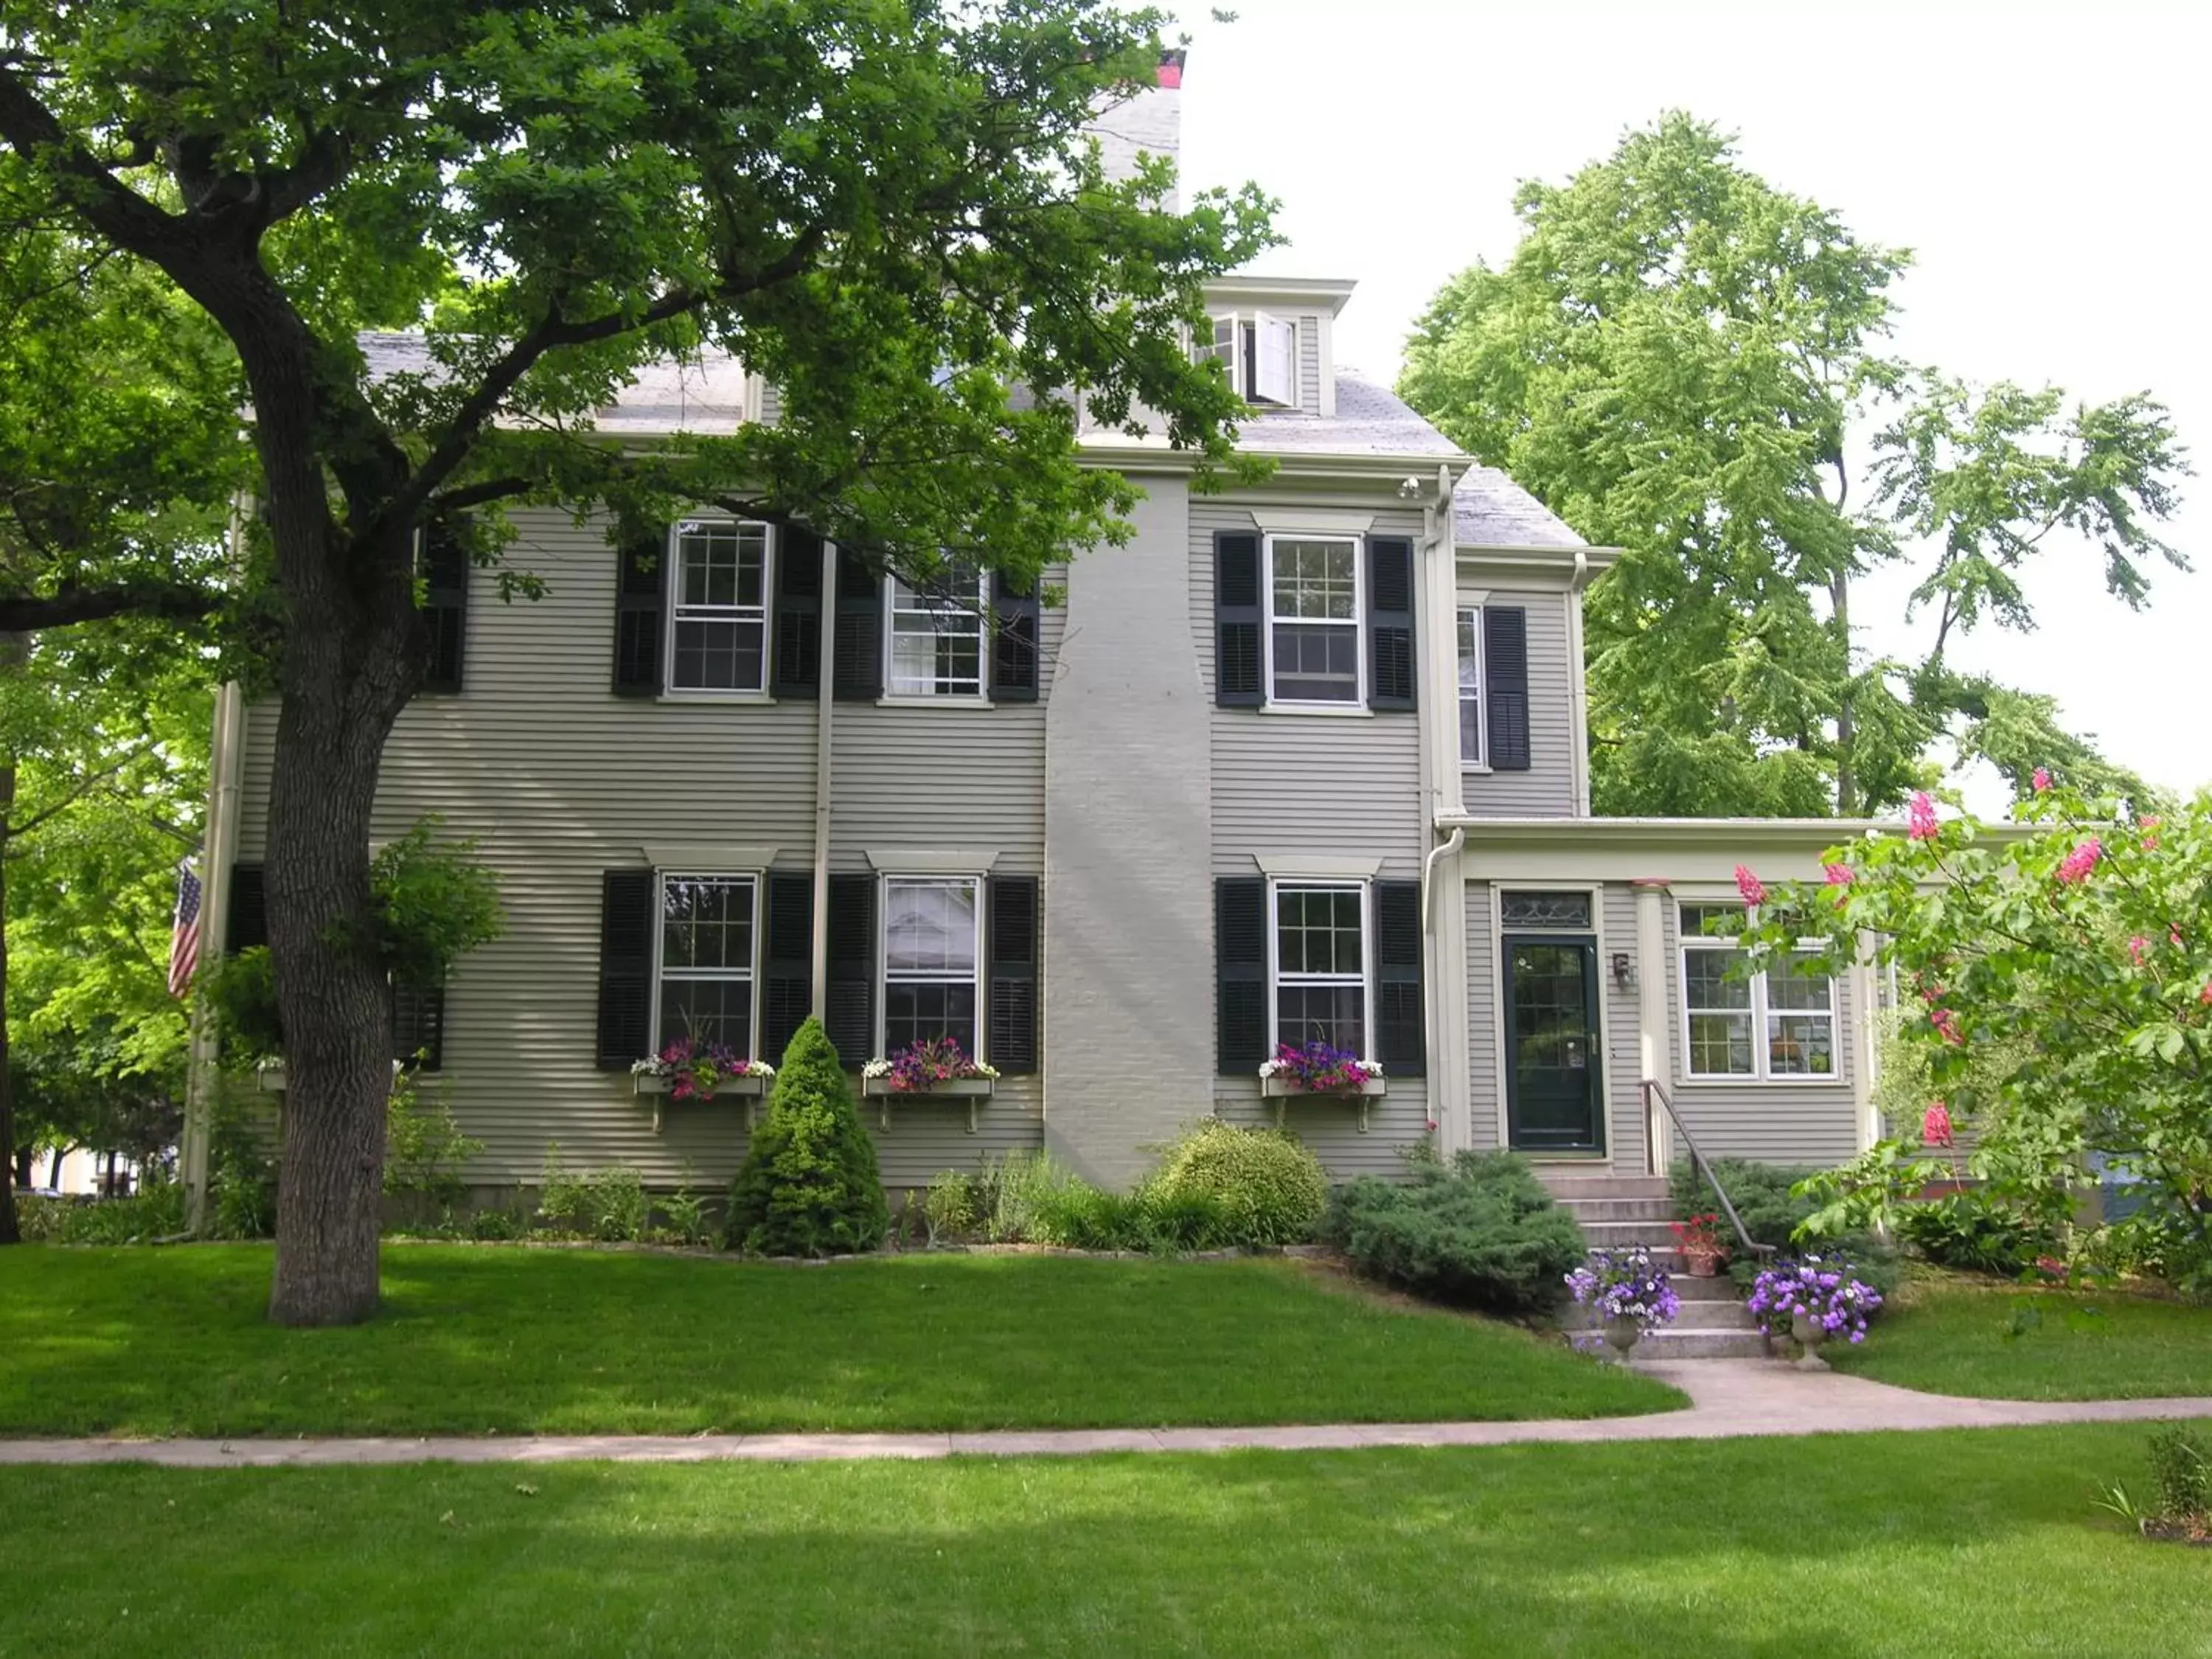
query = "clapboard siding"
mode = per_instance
[
  {"x": 558, "y": 779},
  {"x": 1624, "y": 1091},
  {"x": 1811, "y": 1123},
  {"x": 1546, "y": 789},
  {"x": 1485, "y": 1067}
]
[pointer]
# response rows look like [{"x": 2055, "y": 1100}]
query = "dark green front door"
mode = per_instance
[{"x": 1553, "y": 1090}]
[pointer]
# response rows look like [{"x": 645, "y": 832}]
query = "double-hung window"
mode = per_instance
[
  {"x": 706, "y": 959},
  {"x": 1320, "y": 965},
  {"x": 1473, "y": 750},
  {"x": 936, "y": 638},
  {"x": 1314, "y": 625},
  {"x": 931, "y": 955},
  {"x": 1778, "y": 1023},
  {"x": 719, "y": 619}
]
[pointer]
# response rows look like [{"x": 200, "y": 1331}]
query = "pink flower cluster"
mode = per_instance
[
  {"x": 1920, "y": 817},
  {"x": 1947, "y": 1025},
  {"x": 1935, "y": 1125},
  {"x": 1753, "y": 890},
  {"x": 2077, "y": 864},
  {"x": 2138, "y": 948},
  {"x": 1839, "y": 875},
  {"x": 2042, "y": 780}
]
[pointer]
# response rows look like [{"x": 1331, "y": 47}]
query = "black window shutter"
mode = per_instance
[
  {"x": 418, "y": 1026},
  {"x": 797, "y": 669},
  {"x": 247, "y": 925},
  {"x": 1401, "y": 1032},
  {"x": 1014, "y": 929},
  {"x": 640, "y": 594},
  {"x": 1505, "y": 684},
  {"x": 1014, "y": 619},
  {"x": 1239, "y": 969},
  {"x": 850, "y": 1020},
  {"x": 787, "y": 964},
  {"x": 857, "y": 676},
  {"x": 444, "y": 605},
  {"x": 625, "y": 968},
  {"x": 1390, "y": 681},
  {"x": 1236, "y": 621}
]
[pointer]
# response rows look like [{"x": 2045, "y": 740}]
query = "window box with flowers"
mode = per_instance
[
  {"x": 1318, "y": 1069},
  {"x": 936, "y": 1068},
  {"x": 686, "y": 1070}
]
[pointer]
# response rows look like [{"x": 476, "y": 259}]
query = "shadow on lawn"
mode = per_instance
[{"x": 514, "y": 1341}]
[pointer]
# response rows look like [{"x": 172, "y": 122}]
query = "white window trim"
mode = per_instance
[
  {"x": 980, "y": 976},
  {"x": 1275, "y": 981},
  {"x": 980, "y": 697},
  {"x": 671, "y": 692},
  {"x": 757, "y": 879},
  {"x": 1357, "y": 704},
  {"x": 1761, "y": 1074},
  {"x": 1260, "y": 322},
  {"x": 1481, "y": 761}
]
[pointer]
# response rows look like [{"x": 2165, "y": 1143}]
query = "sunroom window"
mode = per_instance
[{"x": 1778, "y": 1023}]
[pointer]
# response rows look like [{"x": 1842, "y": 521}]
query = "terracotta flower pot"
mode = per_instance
[{"x": 1704, "y": 1264}]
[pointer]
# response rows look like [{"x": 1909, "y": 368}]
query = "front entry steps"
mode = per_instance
[{"x": 1615, "y": 1211}]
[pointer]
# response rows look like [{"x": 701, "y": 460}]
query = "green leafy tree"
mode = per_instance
[
  {"x": 810, "y": 1185},
  {"x": 2059, "y": 983},
  {"x": 1687, "y": 363},
  {"x": 891, "y": 209}
]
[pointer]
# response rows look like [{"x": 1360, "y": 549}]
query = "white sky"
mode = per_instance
[{"x": 2047, "y": 167}]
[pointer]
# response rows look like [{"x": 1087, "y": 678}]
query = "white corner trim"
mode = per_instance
[
  {"x": 1471, "y": 598},
  {"x": 1312, "y": 520},
  {"x": 1304, "y": 866},
  {"x": 706, "y": 858},
  {"x": 933, "y": 861}
]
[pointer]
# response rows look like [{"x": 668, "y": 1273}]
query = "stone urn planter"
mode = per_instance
[
  {"x": 1623, "y": 1332},
  {"x": 1810, "y": 1333}
]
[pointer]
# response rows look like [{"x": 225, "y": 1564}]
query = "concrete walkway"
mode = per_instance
[{"x": 1729, "y": 1397}]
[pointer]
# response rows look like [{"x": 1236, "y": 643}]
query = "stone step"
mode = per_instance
[
  {"x": 1700, "y": 1315},
  {"x": 1586, "y": 1210},
  {"x": 1614, "y": 1235},
  {"x": 1691, "y": 1288},
  {"x": 1675, "y": 1343},
  {"x": 1567, "y": 1185}
]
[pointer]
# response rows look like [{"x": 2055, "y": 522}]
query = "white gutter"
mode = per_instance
[{"x": 824, "y": 720}]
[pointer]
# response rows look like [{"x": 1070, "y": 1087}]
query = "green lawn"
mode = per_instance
[
  {"x": 1964, "y": 1543},
  {"x": 508, "y": 1339},
  {"x": 1957, "y": 1335}
]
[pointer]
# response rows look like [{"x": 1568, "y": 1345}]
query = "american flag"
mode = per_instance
[{"x": 185, "y": 935}]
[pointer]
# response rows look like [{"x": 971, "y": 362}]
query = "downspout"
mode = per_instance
[
  {"x": 1579, "y": 707},
  {"x": 1446, "y": 971},
  {"x": 1428, "y": 877},
  {"x": 826, "y": 701}
]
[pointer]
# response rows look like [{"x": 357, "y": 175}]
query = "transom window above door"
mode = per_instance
[
  {"x": 1313, "y": 632},
  {"x": 936, "y": 638},
  {"x": 1321, "y": 973},
  {"x": 1520, "y": 909},
  {"x": 719, "y": 619}
]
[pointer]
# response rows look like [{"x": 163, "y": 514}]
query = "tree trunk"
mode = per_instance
[
  {"x": 11, "y": 1229},
  {"x": 342, "y": 693},
  {"x": 1847, "y": 788}
]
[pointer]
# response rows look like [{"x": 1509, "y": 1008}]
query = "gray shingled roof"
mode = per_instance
[
  {"x": 706, "y": 396},
  {"x": 1368, "y": 421},
  {"x": 1490, "y": 510}
]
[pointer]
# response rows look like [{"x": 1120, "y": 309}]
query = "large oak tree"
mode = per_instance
[
  {"x": 891, "y": 209},
  {"x": 1685, "y": 362}
]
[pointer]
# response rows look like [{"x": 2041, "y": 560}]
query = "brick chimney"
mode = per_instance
[{"x": 1149, "y": 121}]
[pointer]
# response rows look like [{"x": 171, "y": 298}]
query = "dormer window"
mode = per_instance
[{"x": 1260, "y": 354}]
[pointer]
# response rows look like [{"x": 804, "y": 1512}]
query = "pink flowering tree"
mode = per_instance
[{"x": 2055, "y": 976}]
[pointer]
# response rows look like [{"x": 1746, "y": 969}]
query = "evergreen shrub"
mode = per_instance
[{"x": 810, "y": 1184}]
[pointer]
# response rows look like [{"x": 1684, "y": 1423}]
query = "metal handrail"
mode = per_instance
[{"x": 1698, "y": 1162}]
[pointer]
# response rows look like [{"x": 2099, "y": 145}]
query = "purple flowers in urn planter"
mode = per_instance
[
  {"x": 1626, "y": 1284},
  {"x": 1811, "y": 1288}
]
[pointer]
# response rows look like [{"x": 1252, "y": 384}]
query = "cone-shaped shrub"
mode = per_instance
[{"x": 809, "y": 1186}]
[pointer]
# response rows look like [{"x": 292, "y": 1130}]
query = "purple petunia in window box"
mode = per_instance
[
  {"x": 1318, "y": 1069},
  {"x": 934, "y": 1068},
  {"x": 690, "y": 1070}
]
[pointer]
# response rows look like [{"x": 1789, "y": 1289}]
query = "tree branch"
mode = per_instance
[
  {"x": 476, "y": 494},
  {"x": 111, "y": 207},
  {"x": 26, "y": 613}
]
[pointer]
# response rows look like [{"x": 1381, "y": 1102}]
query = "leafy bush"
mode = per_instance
[
  {"x": 810, "y": 1185},
  {"x": 424, "y": 1149},
  {"x": 436, "y": 903},
  {"x": 1267, "y": 1187},
  {"x": 496, "y": 1226},
  {"x": 609, "y": 1204},
  {"x": 241, "y": 994},
  {"x": 687, "y": 1215},
  {"x": 1975, "y": 1232},
  {"x": 156, "y": 1211},
  {"x": 241, "y": 1166},
  {"x": 1761, "y": 1192},
  {"x": 949, "y": 1210},
  {"x": 1482, "y": 1232},
  {"x": 2181, "y": 1474},
  {"x": 1029, "y": 1198}
]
